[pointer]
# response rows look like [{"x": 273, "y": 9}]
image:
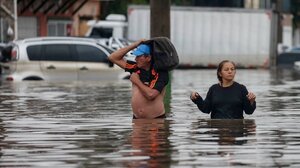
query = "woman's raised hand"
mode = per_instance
[
  {"x": 251, "y": 97},
  {"x": 194, "y": 95}
]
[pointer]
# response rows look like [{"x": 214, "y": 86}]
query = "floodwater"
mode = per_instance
[{"x": 89, "y": 124}]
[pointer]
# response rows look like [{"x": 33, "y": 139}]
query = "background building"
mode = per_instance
[
  {"x": 48, "y": 17},
  {"x": 6, "y": 20},
  {"x": 69, "y": 17}
]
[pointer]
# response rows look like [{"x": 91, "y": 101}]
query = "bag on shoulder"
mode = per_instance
[{"x": 164, "y": 54}]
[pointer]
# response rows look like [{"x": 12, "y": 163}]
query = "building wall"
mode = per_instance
[
  {"x": 60, "y": 19},
  {"x": 90, "y": 10},
  {"x": 6, "y": 20}
]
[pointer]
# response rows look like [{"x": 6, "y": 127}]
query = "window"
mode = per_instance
[
  {"x": 59, "y": 27},
  {"x": 61, "y": 30},
  {"x": 90, "y": 54},
  {"x": 52, "y": 30},
  {"x": 34, "y": 52},
  {"x": 100, "y": 32},
  {"x": 58, "y": 52}
]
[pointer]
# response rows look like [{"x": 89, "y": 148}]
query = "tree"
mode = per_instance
[{"x": 119, "y": 6}]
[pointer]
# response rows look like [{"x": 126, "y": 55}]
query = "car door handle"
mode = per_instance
[
  {"x": 51, "y": 67},
  {"x": 84, "y": 68}
]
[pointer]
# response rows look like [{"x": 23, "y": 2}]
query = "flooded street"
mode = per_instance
[{"x": 89, "y": 124}]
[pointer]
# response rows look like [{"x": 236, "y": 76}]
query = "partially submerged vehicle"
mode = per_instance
[{"x": 59, "y": 59}]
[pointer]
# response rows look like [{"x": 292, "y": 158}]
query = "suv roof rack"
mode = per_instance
[{"x": 58, "y": 38}]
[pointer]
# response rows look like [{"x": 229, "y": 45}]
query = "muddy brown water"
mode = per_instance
[{"x": 89, "y": 124}]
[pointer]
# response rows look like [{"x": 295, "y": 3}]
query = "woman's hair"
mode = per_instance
[{"x": 220, "y": 66}]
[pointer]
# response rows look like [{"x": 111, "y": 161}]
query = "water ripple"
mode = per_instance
[{"x": 88, "y": 124}]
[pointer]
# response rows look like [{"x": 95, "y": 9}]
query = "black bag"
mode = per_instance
[{"x": 163, "y": 53}]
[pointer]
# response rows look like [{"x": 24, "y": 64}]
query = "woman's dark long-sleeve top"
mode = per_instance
[{"x": 226, "y": 102}]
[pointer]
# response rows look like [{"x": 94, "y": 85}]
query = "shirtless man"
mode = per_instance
[{"x": 148, "y": 86}]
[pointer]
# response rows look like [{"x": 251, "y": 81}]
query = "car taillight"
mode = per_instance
[
  {"x": 9, "y": 78},
  {"x": 13, "y": 54}
]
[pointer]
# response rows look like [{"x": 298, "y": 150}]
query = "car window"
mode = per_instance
[
  {"x": 101, "y": 32},
  {"x": 109, "y": 50},
  {"x": 58, "y": 52},
  {"x": 34, "y": 52},
  {"x": 90, "y": 54}
]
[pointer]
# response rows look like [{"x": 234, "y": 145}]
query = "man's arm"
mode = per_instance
[
  {"x": 148, "y": 92},
  {"x": 117, "y": 56}
]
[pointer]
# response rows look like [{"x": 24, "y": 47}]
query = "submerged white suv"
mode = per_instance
[{"x": 59, "y": 59}]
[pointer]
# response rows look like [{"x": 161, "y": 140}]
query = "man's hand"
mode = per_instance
[
  {"x": 251, "y": 97},
  {"x": 117, "y": 57},
  {"x": 149, "y": 93},
  {"x": 134, "y": 78},
  {"x": 137, "y": 43}
]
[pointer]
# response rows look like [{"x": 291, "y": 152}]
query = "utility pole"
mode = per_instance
[
  {"x": 160, "y": 26},
  {"x": 276, "y": 31},
  {"x": 15, "y": 20},
  {"x": 160, "y": 18}
]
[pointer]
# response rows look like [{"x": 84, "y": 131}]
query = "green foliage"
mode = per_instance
[
  {"x": 119, "y": 6},
  {"x": 295, "y": 8}
]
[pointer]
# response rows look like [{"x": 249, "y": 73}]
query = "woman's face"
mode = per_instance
[{"x": 228, "y": 72}]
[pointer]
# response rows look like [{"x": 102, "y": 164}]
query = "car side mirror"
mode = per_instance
[{"x": 110, "y": 64}]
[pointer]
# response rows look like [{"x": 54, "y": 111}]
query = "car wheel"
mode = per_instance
[{"x": 32, "y": 78}]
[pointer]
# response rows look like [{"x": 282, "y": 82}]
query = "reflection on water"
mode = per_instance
[
  {"x": 149, "y": 144},
  {"x": 84, "y": 124},
  {"x": 214, "y": 142},
  {"x": 228, "y": 132}
]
